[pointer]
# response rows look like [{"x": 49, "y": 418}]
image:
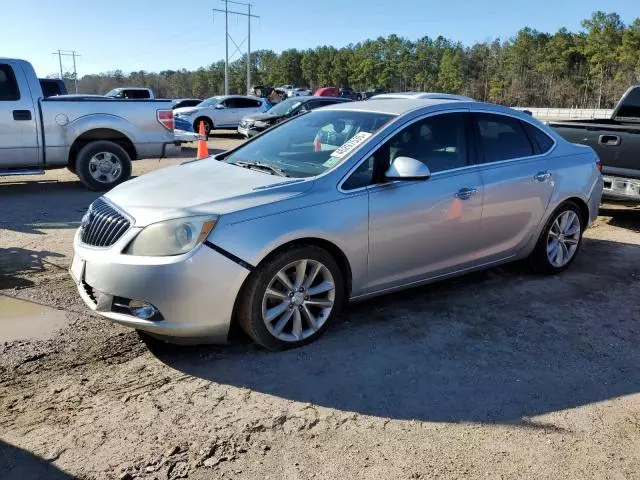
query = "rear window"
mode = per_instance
[
  {"x": 8, "y": 84},
  {"x": 630, "y": 105}
]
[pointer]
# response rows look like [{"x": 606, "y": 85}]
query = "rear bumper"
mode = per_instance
[{"x": 619, "y": 188}]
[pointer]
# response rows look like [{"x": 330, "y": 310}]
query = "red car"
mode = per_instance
[{"x": 327, "y": 92}]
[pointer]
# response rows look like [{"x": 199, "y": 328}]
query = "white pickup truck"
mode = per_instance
[{"x": 94, "y": 137}]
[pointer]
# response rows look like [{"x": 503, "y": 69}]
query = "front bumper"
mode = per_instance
[
  {"x": 247, "y": 132},
  {"x": 195, "y": 292}
]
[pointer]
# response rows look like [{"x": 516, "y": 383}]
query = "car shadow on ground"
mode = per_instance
[
  {"x": 16, "y": 463},
  {"x": 16, "y": 263},
  {"x": 497, "y": 346},
  {"x": 628, "y": 218},
  {"x": 189, "y": 152}
]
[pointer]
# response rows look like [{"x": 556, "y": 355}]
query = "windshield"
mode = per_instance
[
  {"x": 310, "y": 144},
  {"x": 113, "y": 93},
  {"x": 210, "y": 102},
  {"x": 286, "y": 107}
]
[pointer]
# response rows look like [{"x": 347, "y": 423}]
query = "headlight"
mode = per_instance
[
  {"x": 261, "y": 124},
  {"x": 172, "y": 237}
]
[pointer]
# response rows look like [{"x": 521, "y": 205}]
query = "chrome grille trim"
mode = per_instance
[{"x": 103, "y": 225}]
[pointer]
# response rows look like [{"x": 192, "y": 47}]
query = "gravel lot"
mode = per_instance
[{"x": 499, "y": 374}]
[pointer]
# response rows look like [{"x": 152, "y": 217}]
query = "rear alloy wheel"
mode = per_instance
[
  {"x": 291, "y": 300},
  {"x": 101, "y": 165},
  {"x": 560, "y": 240}
]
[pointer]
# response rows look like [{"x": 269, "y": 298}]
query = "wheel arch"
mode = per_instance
[
  {"x": 196, "y": 122},
  {"x": 105, "y": 134}
]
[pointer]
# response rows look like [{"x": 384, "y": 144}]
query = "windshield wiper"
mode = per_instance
[{"x": 261, "y": 167}]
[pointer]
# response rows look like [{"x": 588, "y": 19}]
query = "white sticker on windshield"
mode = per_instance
[{"x": 350, "y": 145}]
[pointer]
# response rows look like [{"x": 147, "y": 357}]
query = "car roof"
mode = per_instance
[
  {"x": 392, "y": 106},
  {"x": 433, "y": 95}
]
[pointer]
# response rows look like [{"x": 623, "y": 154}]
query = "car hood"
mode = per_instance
[
  {"x": 184, "y": 110},
  {"x": 200, "y": 187},
  {"x": 261, "y": 116}
]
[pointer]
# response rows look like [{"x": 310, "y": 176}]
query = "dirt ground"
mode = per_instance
[{"x": 498, "y": 374}]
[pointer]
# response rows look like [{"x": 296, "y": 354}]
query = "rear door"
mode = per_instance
[
  {"x": 18, "y": 129},
  {"x": 517, "y": 175}
]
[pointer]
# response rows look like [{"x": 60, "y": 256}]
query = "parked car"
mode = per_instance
[
  {"x": 52, "y": 87},
  {"x": 300, "y": 92},
  {"x": 425, "y": 95},
  {"x": 349, "y": 93},
  {"x": 222, "y": 111},
  {"x": 617, "y": 142},
  {"x": 94, "y": 137},
  {"x": 327, "y": 92},
  {"x": 277, "y": 234},
  {"x": 129, "y": 93},
  {"x": 251, "y": 125},
  {"x": 186, "y": 102},
  {"x": 366, "y": 95}
]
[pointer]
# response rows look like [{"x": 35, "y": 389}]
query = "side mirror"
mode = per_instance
[
  {"x": 220, "y": 106},
  {"x": 407, "y": 168}
]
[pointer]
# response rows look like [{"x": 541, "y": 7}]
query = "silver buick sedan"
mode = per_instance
[{"x": 341, "y": 203}]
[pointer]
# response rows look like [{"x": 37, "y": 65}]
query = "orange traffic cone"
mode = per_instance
[{"x": 203, "y": 151}]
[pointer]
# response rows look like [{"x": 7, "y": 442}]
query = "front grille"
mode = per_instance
[{"x": 103, "y": 225}]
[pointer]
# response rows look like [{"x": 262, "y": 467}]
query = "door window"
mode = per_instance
[
  {"x": 246, "y": 103},
  {"x": 8, "y": 84},
  {"x": 502, "y": 138},
  {"x": 231, "y": 103},
  {"x": 438, "y": 141}
]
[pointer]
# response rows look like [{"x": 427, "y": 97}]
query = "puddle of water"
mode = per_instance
[{"x": 25, "y": 320}]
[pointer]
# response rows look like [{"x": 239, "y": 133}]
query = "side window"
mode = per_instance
[
  {"x": 630, "y": 106},
  {"x": 8, "y": 84},
  {"x": 542, "y": 142},
  {"x": 231, "y": 103},
  {"x": 246, "y": 103},
  {"x": 502, "y": 137},
  {"x": 439, "y": 142}
]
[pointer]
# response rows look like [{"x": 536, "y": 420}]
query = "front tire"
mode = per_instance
[
  {"x": 208, "y": 126},
  {"x": 292, "y": 298},
  {"x": 101, "y": 165},
  {"x": 560, "y": 240}
]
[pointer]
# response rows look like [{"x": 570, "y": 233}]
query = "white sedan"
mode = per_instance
[{"x": 221, "y": 111}]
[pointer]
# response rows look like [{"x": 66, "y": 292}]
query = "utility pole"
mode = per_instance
[
  {"x": 68, "y": 53},
  {"x": 228, "y": 37}
]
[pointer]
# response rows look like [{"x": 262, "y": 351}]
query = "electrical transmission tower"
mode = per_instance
[
  {"x": 68, "y": 53},
  {"x": 228, "y": 37}
]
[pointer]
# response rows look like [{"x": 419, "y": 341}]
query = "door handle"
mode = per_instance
[
  {"x": 613, "y": 140},
  {"x": 19, "y": 115},
  {"x": 542, "y": 176},
  {"x": 465, "y": 193}
]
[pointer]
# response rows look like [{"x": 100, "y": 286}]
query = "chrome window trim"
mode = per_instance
[{"x": 481, "y": 166}]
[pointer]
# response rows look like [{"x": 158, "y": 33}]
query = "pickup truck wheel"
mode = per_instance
[
  {"x": 208, "y": 125},
  {"x": 102, "y": 165},
  {"x": 560, "y": 241}
]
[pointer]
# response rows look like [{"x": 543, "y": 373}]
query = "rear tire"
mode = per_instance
[
  {"x": 101, "y": 165},
  {"x": 305, "y": 315},
  {"x": 560, "y": 240}
]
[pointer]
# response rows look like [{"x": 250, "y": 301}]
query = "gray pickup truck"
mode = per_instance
[
  {"x": 616, "y": 140},
  {"x": 94, "y": 137}
]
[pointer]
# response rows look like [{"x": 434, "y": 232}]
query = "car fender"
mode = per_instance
[{"x": 98, "y": 121}]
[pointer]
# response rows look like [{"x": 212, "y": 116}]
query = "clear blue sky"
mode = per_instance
[{"x": 155, "y": 35}]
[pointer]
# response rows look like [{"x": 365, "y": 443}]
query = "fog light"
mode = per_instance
[{"x": 143, "y": 310}]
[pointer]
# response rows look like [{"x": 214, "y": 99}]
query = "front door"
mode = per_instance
[
  {"x": 518, "y": 182},
  {"x": 423, "y": 229},
  {"x": 228, "y": 116},
  {"x": 19, "y": 146}
]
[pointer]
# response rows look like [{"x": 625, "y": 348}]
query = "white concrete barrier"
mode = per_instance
[{"x": 567, "y": 113}]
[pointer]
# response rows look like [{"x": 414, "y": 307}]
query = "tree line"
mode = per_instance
[{"x": 590, "y": 68}]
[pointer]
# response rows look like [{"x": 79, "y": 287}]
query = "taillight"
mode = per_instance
[
  {"x": 165, "y": 117},
  {"x": 599, "y": 164}
]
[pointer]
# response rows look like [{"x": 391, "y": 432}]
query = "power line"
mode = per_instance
[
  {"x": 68, "y": 53},
  {"x": 228, "y": 37}
]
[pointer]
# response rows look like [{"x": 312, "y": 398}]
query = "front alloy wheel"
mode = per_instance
[{"x": 291, "y": 298}]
